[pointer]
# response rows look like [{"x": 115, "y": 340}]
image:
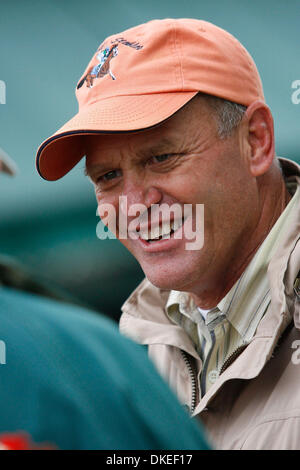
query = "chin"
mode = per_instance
[
  {"x": 167, "y": 280},
  {"x": 180, "y": 273}
]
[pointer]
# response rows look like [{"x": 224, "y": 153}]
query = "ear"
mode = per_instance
[{"x": 260, "y": 137}]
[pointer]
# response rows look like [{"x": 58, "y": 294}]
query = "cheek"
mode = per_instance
[
  {"x": 194, "y": 182},
  {"x": 185, "y": 188}
]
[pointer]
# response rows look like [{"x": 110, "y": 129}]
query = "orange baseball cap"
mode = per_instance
[{"x": 142, "y": 76}]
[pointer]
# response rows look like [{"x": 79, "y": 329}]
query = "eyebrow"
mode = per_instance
[
  {"x": 153, "y": 149},
  {"x": 157, "y": 148},
  {"x": 94, "y": 168}
]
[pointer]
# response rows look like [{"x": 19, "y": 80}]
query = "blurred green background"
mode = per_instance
[{"x": 44, "y": 48}]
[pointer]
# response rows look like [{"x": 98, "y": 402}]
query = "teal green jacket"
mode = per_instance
[{"x": 67, "y": 377}]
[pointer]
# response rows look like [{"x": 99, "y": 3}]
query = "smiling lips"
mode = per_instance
[{"x": 160, "y": 232}]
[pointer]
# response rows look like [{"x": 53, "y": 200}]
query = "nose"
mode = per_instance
[{"x": 139, "y": 192}]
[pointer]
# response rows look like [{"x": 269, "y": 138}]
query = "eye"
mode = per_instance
[
  {"x": 110, "y": 175},
  {"x": 161, "y": 158}
]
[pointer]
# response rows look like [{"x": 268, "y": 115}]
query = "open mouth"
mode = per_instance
[{"x": 161, "y": 232}]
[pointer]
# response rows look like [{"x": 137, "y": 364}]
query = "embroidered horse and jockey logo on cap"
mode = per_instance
[
  {"x": 104, "y": 57},
  {"x": 103, "y": 68}
]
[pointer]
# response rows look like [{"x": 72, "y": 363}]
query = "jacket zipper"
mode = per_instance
[
  {"x": 230, "y": 359},
  {"x": 193, "y": 375},
  {"x": 193, "y": 380}
]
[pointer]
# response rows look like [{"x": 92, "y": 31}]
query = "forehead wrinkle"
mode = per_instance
[
  {"x": 169, "y": 136},
  {"x": 89, "y": 170},
  {"x": 156, "y": 148},
  {"x": 102, "y": 162}
]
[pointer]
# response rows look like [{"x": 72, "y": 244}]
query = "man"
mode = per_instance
[
  {"x": 69, "y": 380},
  {"x": 185, "y": 124}
]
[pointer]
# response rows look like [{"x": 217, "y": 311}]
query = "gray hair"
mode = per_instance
[
  {"x": 228, "y": 116},
  {"x": 227, "y": 113}
]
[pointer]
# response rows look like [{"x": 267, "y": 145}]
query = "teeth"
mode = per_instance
[
  {"x": 176, "y": 224},
  {"x": 155, "y": 232},
  {"x": 164, "y": 237},
  {"x": 162, "y": 231},
  {"x": 165, "y": 229},
  {"x": 144, "y": 235}
]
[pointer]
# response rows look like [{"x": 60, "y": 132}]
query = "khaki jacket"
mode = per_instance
[{"x": 255, "y": 402}]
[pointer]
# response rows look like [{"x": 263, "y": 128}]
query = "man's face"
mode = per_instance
[{"x": 181, "y": 161}]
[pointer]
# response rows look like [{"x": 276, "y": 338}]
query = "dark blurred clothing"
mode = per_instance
[{"x": 68, "y": 378}]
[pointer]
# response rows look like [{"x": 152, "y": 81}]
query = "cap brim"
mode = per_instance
[
  {"x": 7, "y": 165},
  {"x": 60, "y": 153}
]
